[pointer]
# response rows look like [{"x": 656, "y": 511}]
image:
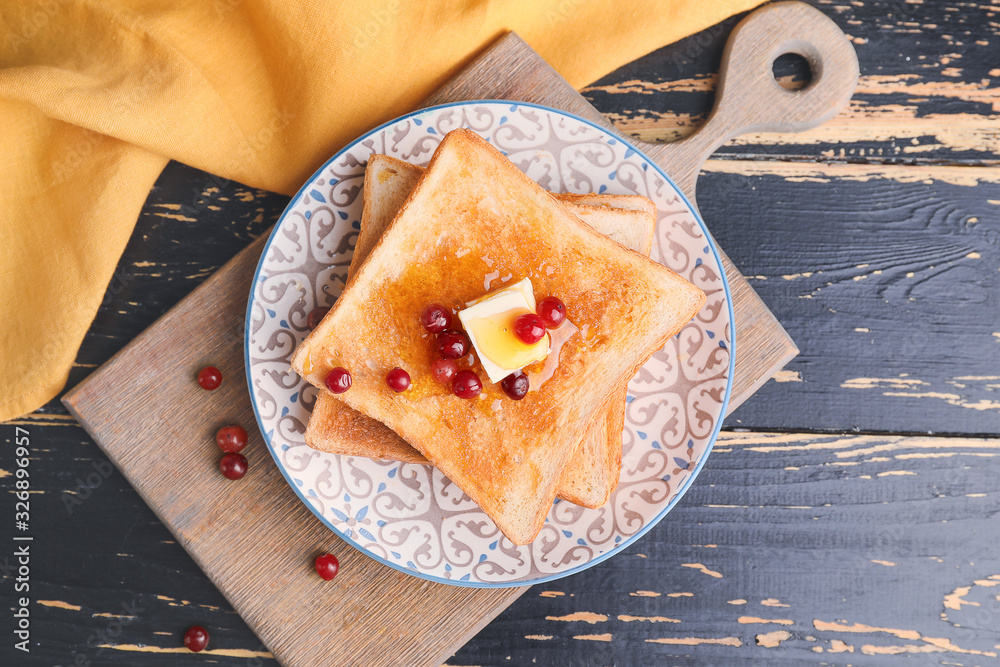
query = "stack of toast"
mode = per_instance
[{"x": 470, "y": 224}]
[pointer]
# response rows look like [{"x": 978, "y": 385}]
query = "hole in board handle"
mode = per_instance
[{"x": 792, "y": 71}]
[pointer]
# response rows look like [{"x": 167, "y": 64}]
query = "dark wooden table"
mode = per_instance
[{"x": 849, "y": 512}]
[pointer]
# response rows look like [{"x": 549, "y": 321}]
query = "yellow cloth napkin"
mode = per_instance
[{"x": 96, "y": 96}]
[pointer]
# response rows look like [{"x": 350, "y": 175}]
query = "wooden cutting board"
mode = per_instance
[{"x": 253, "y": 538}]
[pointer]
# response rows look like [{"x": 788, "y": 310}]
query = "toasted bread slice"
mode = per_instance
[
  {"x": 388, "y": 182},
  {"x": 627, "y": 227},
  {"x": 474, "y": 213},
  {"x": 593, "y": 472},
  {"x": 338, "y": 429},
  {"x": 623, "y": 202}
]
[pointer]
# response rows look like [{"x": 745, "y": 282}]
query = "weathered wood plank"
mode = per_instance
[
  {"x": 764, "y": 554},
  {"x": 887, "y": 276},
  {"x": 929, "y": 90},
  {"x": 747, "y": 99},
  {"x": 762, "y": 213},
  {"x": 256, "y": 554},
  {"x": 794, "y": 549},
  {"x": 838, "y": 528},
  {"x": 255, "y": 539}
]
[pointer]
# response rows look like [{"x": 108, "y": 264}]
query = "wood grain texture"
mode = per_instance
[
  {"x": 255, "y": 539},
  {"x": 854, "y": 533},
  {"x": 928, "y": 90},
  {"x": 922, "y": 112},
  {"x": 794, "y": 549},
  {"x": 893, "y": 293},
  {"x": 886, "y": 212},
  {"x": 749, "y": 99},
  {"x": 438, "y": 618}
]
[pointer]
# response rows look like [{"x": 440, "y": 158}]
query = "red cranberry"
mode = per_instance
[
  {"x": 233, "y": 465},
  {"x": 444, "y": 370},
  {"x": 435, "y": 318},
  {"x": 466, "y": 384},
  {"x": 231, "y": 438},
  {"x": 327, "y": 566},
  {"x": 515, "y": 385},
  {"x": 529, "y": 328},
  {"x": 453, "y": 344},
  {"x": 552, "y": 311},
  {"x": 210, "y": 378},
  {"x": 316, "y": 316},
  {"x": 398, "y": 380},
  {"x": 196, "y": 638},
  {"x": 338, "y": 380}
]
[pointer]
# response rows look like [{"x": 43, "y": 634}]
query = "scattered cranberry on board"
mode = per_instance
[
  {"x": 233, "y": 465},
  {"x": 210, "y": 378},
  {"x": 466, "y": 384},
  {"x": 327, "y": 566},
  {"x": 398, "y": 380},
  {"x": 338, "y": 380},
  {"x": 316, "y": 316},
  {"x": 552, "y": 311},
  {"x": 196, "y": 638},
  {"x": 529, "y": 328},
  {"x": 231, "y": 438}
]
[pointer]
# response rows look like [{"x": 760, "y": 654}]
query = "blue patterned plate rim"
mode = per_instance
[{"x": 685, "y": 485}]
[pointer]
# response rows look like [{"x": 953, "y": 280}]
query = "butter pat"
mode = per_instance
[{"x": 489, "y": 322}]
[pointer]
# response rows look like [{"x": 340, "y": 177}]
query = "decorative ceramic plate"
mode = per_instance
[{"x": 411, "y": 517}]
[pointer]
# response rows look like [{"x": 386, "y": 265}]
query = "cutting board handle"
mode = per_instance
[{"x": 748, "y": 99}]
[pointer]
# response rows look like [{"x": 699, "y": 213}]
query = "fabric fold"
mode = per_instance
[{"x": 96, "y": 97}]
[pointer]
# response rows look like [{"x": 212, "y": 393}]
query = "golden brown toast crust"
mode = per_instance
[
  {"x": 338, "y": 429},
  {"x": 593, "y": 471},
  {"x": 472, "y": 215},
  {"x": 388, "y": 182}
]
